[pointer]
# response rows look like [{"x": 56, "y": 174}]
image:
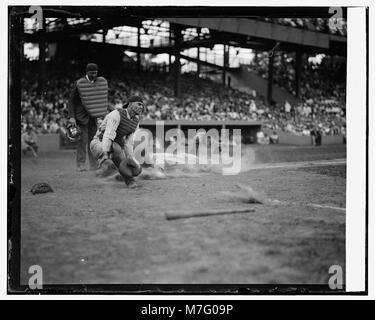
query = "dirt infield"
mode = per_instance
[{"x": 94, "y": 230}]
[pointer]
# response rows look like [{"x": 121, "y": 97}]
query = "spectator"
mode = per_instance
[
  {"x": 253, "y": 107},
  {"x": 287, "y": 108},
  {"x": 260, "y": 137},
  {"x": 313, "y": 136},
  {"x": 318, "y": 138},
  {"x": 266, "y": 139},
  {"x": 306, "y": 111},
  {"x": 343, "y": 131},
  {"x": 274, "y": 138},
  {"x": 53, "y": 127},
  {"x": 29, "y": 142}
]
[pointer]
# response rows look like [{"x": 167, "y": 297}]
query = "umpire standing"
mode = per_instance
[{"x": 88, "y": 101}]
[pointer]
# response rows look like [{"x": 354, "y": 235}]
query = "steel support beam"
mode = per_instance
[
  {"x": 177, "y": 62},
  {"x": 42, "y": 59},
  {"x": 297, "y": 72},
  {"x": 225, "y": 63},
  {"x": 270, "y": 76},
  {"x": 138, "y": 51}
]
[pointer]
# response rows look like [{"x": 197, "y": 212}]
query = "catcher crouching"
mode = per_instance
[{"x": 113, "y": 143}]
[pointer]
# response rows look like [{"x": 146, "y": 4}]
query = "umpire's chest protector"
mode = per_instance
[
  {"x": 126, "y": 126},
  {"x": 94, "y": 96}
]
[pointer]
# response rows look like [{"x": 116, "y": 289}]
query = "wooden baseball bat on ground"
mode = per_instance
[{"x": 191, "y": 214}]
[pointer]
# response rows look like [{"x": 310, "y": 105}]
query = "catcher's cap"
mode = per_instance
[
  {"x": 91, "y": 67},
  {"x": 135, "y": 99}
]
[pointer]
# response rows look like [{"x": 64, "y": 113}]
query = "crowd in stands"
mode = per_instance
[
  {"x": 201, "y": 100},
  {"x": 322, "y": 95},
  {"x": 326, "y": 79},
  {"x": 45, "y": 113},
  {"x": 307, "y": 117},
  {"x": 338, "y": 26}
]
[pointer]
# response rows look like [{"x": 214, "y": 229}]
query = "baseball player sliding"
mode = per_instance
[{"x": 113, "y": 142}]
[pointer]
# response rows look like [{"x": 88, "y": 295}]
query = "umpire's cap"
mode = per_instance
[{"x": 91, "y": 67}]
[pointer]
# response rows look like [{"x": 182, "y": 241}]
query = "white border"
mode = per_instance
[
  {"x": 356, "y": 147},
  {"x": 356, "y": 150}
]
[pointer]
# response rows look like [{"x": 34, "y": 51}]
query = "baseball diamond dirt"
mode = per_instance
[{"x": 94, "y": 230}]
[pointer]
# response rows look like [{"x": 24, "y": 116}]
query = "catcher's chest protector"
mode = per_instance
[
  {"x": 94, "y": 96},
  {"x": 127, "y": 126}
]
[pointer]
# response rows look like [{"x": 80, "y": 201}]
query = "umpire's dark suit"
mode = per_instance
[{"x": 87, "y": 125}]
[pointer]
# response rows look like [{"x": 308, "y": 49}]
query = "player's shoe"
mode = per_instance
[
  {"x": 118, "y": 177},
  {"x": 106, "y": 169},
  {"x": 130, "y": 182},
  {"x": 81, "y": 168}
]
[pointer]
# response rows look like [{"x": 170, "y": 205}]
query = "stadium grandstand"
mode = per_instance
[{"x": 288, "y": 73}]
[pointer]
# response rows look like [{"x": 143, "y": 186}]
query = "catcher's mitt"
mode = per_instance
[
  {"x": 129, "y": 168},
  {"x": 41, "y": 187}
]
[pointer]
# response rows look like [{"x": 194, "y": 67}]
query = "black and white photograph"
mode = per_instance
[{"x": 201, "y": 148}]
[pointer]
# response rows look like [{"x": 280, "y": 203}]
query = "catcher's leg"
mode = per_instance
[
  {"x": 106, "y": 167},
  {"x": 34, "y": 149},
  {"x": 30, "y": 148}
]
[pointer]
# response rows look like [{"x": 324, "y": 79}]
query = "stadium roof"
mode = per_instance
[{"x": 238, "y": 26}]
